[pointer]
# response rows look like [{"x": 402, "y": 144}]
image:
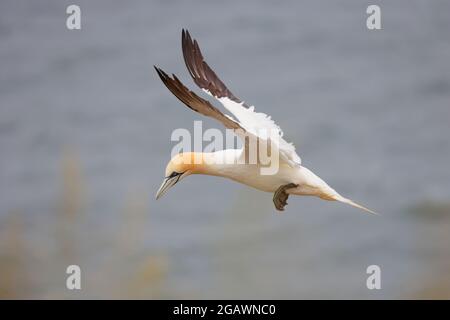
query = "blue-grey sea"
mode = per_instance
[{"x": 85, "y": 126}]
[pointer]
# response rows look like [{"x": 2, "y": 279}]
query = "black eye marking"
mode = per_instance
[{"x": 174, "y": 174}]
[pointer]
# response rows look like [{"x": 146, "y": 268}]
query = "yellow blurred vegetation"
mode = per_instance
[{"x": 114, "y": 261}]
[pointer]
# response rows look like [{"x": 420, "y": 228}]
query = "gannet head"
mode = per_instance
[{"x": 179, "y": 167}]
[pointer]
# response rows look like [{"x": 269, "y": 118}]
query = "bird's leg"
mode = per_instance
[{"x": 280, "y": 196}]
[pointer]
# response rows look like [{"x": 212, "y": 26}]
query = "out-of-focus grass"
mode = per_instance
[
  {"x": 13, "y": 277},
  {"x": 433, "y": 241},
  {"x": 114, "y": 260},
  {"x": 432, "y": 210}
]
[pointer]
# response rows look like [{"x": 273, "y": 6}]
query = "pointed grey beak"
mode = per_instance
[{"x": 167, "y": 184}]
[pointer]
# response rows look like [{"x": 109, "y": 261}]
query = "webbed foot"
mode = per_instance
[{"x": 280, "y": 196}]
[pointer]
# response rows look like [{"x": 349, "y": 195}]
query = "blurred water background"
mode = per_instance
[{"x": 85, "y": 129}]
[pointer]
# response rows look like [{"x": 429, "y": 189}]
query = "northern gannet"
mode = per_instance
[{"x": 290, "y": 178}]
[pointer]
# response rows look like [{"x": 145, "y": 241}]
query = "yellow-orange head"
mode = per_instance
[{"x": 179, "y": 167}]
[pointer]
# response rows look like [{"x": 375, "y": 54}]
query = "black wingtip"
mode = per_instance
[
  {"x": 160, "y": 73},
  {"x": 185, "y": 37},
  {"x": 184, "y": 33}
]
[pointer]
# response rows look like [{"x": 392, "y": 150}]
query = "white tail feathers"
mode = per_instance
[{"x": 353, "y": 204}]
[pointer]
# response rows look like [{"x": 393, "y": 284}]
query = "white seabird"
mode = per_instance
[{"x": 290, "y": 178}]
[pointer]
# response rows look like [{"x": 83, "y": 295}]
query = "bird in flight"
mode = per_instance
[{"x": 291, "y": 178}]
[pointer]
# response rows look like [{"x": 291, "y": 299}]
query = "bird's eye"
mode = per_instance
[{"x": 173, "y": 174}]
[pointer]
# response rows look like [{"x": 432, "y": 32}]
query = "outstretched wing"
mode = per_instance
[
  {"x": 202, "y": 74},
  {"x": 194, "y": 102},
  {"x": 257, "y": 123}
]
